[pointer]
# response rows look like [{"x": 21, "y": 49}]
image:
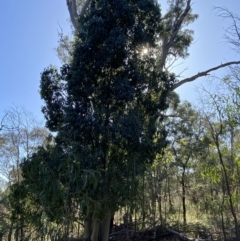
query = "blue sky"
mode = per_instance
[{"x": 29, "y": 35}]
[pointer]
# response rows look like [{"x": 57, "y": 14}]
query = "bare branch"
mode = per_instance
[
  {"x": 65, "y": 48},
  {"x": 1, "y": 124},
  {"x": 204, "y": 73},
  {"x": 226, "y": 13},
  {"x": 232, "y": 33},
  {"x": 64, "y": 42}
]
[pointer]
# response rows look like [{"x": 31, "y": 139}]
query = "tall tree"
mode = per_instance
[{"x": 105, "y": 105}]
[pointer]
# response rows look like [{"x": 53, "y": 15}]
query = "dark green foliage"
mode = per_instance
[
  {"x": 41, "y": 175},
  {"x": 105, "y": 105},
  {"x": 52, "y": 89}
]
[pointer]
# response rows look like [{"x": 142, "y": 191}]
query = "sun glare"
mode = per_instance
[{"x": 144, "y": 51}]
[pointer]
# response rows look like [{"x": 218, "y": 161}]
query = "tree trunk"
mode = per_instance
[
  {"x": 87, "y": 229},
  {"x": 95, "y": 229},
  {"x": 160, "y": 204},
  {"x": 111, "y": 222},
  {"x": 215, "y": 137},
  {"x": 184, "y": 198},
  {"x": 10, "y": 232},
  {"x": 22, "y": 233},
  {"x": 104, "y": 227},
  {"x": 222, "y": 220},
  {"x": 228, "y": 190}
]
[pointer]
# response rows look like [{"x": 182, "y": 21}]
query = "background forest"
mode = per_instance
[{"x": 120, "y": 152}]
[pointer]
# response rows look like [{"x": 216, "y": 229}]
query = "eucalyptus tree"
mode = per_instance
[{"x": 220, "y": 113}]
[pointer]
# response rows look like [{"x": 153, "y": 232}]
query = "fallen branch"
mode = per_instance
[{"x": 182, "y": 237}]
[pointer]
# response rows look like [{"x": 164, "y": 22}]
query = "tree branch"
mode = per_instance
[
  {"x": 83, "y": 11},
  {"x": 225, "y": 13},
  {"x": 84, "y": 8},
  {"x": 167, "y": 43},
  {"x": 1, "y": 124},
  {"x": 72, "y": 8},
  {"x": 178, "y": 24},
  {"x": 64, "y": 42},
  {"x": 204, "y": 73}
]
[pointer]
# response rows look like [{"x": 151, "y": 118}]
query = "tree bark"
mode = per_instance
[
  {"x": 72, "y": 9},
  {"x": 87, "y": 229},
  {"x": 105, "y": 226},
  {"x": 184, "y": 198},
  {"x": 10, "y": 232},
  {"x": 95, "y": 229}
]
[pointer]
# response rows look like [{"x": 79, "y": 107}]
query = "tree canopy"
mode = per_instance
[{"x": 105, "y": 104}]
